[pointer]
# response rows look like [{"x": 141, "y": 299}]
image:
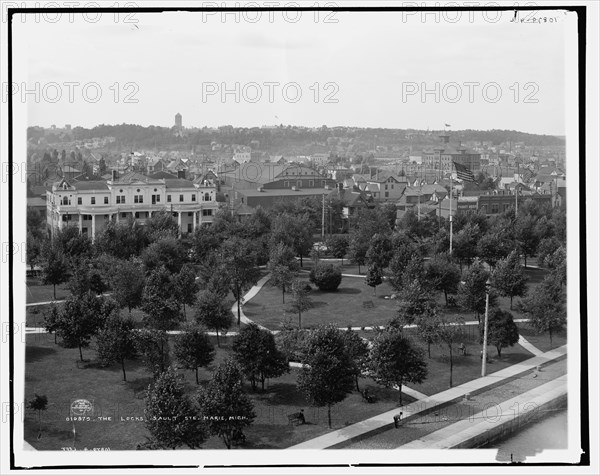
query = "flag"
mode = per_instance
[{"x": 463, "y": 173}]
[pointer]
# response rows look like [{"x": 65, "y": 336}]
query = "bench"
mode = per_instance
[
  {"x": 297, "y": 418},
  {"x": 369, "y": 398}
]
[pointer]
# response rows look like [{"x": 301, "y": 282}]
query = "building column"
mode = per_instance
[
  {"x": 93, "y": 226},
  {"x": 179, "y": 222},
  {"x": 194, "y": 221},
  {"x": 80, "y": 223}
]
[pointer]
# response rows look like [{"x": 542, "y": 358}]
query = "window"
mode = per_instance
[
  {"x": 206, "y": 197},
  {"x": 299, "y": 183},
  {"x": 123, "y": 215},
  {"x": 118, "y": 200},
  {"x": 386, "y": 187},
  {"x": 494, "y": 208},
  {"x": 106, "y": 200},
  {"x": 189, "y": 214},
  {"x": 323, "y": 183},
  {"x": 168, "y": 198},
  {"x": 137, "y": 215},
  {"x": 79, "y": 200},
  {"x": 207, "y": 212},
  {"x": 158, "y": 198},
  {"x": 286, "y": 184},
  {"x": 193, "y": 197},
  {"x": 387, "y": 194},
  {"x": 311, "y": 183},
  {"x": 138, "y": 198},
  {"x": 93, "y": 200},
  {"x": 180, "y": 198}
]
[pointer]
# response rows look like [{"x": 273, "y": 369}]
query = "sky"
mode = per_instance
[{"x": 373, "y": 69}]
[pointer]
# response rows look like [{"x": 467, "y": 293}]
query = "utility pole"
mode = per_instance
[
  {"x": 451, "y": 182},
  {"x": 488, "y": 285},
  {"x": 323, "y": 221}
]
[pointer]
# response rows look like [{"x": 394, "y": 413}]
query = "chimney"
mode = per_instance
[
  {"x": 181, "y": 174},
  {"x": 115, "y": 175}
]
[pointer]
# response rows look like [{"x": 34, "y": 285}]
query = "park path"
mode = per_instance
[{"x": 384, "y": 421}]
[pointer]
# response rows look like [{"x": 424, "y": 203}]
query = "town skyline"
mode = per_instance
[{"x": 381, "y": 69}]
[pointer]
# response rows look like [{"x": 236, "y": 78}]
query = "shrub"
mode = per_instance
[{"x": 326, "y": 276}]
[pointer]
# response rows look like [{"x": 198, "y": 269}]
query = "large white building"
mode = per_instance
[{"x": 92, "y": 204}]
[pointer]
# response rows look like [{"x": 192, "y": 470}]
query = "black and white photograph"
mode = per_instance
[{"x": 302, "y": 237}]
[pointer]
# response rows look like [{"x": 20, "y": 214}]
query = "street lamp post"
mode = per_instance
[{"x": 488, "y": 285}]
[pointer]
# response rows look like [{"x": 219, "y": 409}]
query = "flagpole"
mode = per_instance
[
  {"x": 517, "y": 193},
  {"x": 451, "y": 183}
]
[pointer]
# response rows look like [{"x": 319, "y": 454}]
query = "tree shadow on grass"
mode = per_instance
[
  {"x": 37, "y": 353},
  {"x": 348, "y": 290},
  {"x": 286, "y": 394},
  {"x": 139, "y": 386}
]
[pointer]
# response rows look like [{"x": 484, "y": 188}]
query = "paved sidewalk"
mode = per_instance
[
  {"x": 462, "y": 433},
  {"x": 342, "y": 437},
  {"x": 529, "y": 347}
]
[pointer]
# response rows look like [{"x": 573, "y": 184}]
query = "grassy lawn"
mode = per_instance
[
  {"x": 465, "y": 368},
  {"x": 542, "y": 341},
  {"x": 38, "y": 292},
  {"x": 343, "y": 307},
  {"x": 57, "y": 373}
]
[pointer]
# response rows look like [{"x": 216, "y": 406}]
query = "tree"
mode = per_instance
[
  {"x": 380, "y": 250},
  {"x": 557, "y": 263},
  {"x": 414, "y": 301},
  {"x": 167, "y": 252},
  {"x": 358, "y": 349},
  {"x": 404, "y": 251},
  {"x": 283, "y": 267},
  {"x": 72, "y": 244},
  {"x": 448, "y": 333},
  {"x": 239, "y": 265},
  {"x": 326, "y": 277},
  {"x": 357, "y": 248},
  {"x": 442, "y": 274},
  {"x": 34, "y": 250},
  {"x": 300, "y": 300},
  {"x": 159, "y": 301},
  {"x": 38, "y": 403},
  {"x": 116, "y": 341},
  {"x": 465, "y": 243},
  {"x": 204, "y": 242},
  {"x": 327, "y": 374},
  {"x": 170, "y": 415},
  {"x": 212, "y": 312},
  {"x": 338, "y": 245},
  {"x": 427, "y": 328},
  {"x": 81, "y": 318},
  {"x": 373, "y": 277},
  {"x": 526, "y": 236},
  {"x": 128, "y": 283},
  {"x": 257, "y": 355},
  {"x": 122, "y": 240},
  {"x": 545, "y": 308},
  {"x": 546, "y": 248},
  {"x": 471, "y": 292},
  {"x": 52, "y": 319},
  {"x": 508, "y": 277},
  {"x": 502, "y": 330},
  {"x": 193, "y": 348},
  {"x": 224, "y": 404},
  {"x": 185, "y": 286},
  {"x": 294, "y": 231},
  {"x": 85, "y": 278},
  {"x": 395, "y": 361},
  {"x": 162, "y": 225},
  {"x": 153, "y": 345},
  {"x": 55, "y": 269},
  {"x": 493, "y": 246}
]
